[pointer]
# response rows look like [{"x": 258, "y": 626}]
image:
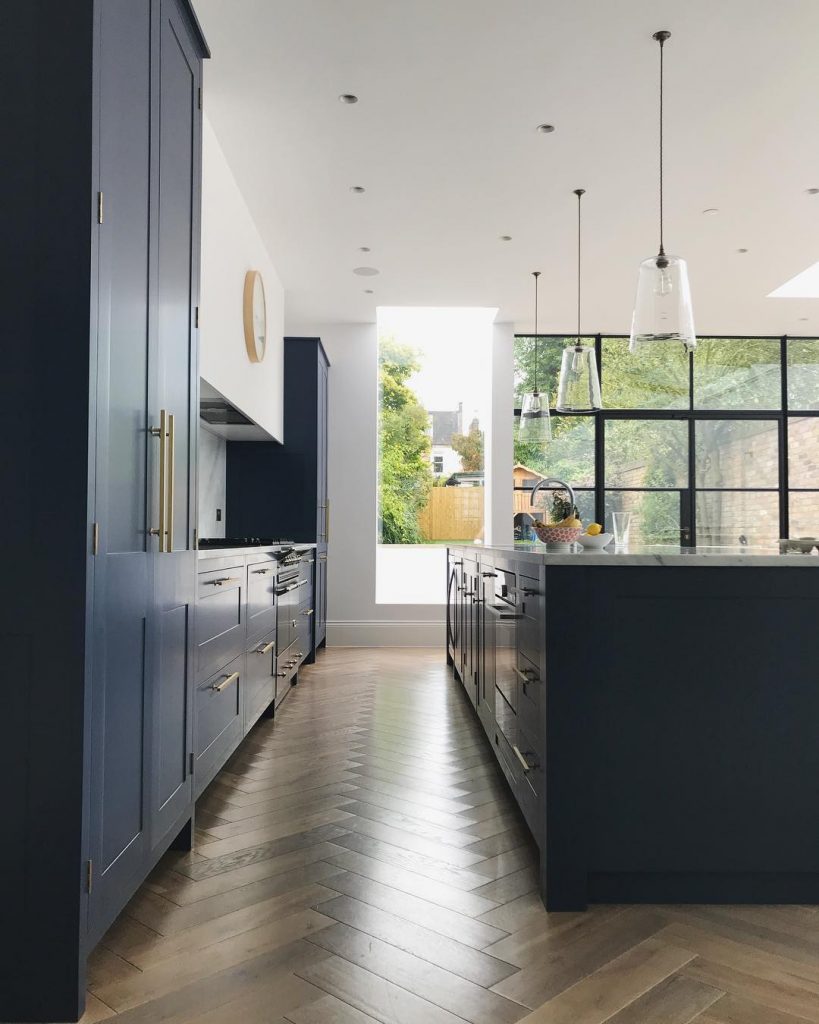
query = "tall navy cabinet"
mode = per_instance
[
  {"x": 276, "y": 490},
  {"x": 98, "y": 472}
]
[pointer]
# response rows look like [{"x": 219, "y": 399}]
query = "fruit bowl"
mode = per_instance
[
  {"x": 596, "y": 543},
  {"x": 557, "y": 534}
]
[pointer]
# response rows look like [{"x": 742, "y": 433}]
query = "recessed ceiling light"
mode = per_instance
[
  {"x": 365, "y": 271},
  {"x": 742, "y": 250},
  {"x": 812, "y": 191},
  {"x": 545, "y": 129},
  {"x": 348, "y": 97},
  {"x": 711, "y": 210},
  {"x": 364, "y": 248},
  {"x": 506, "y": 238},
  {"x": 368, "y": 291},
  {"x": 358, "y": 189},
  {"x": 804, "y": 318}
]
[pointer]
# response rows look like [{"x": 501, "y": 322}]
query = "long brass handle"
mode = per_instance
[
  {"x": 171, "y": 479},
  {"x": 222, "y": 580},
  {"x": 261, "y": 572},
  {"x": 327, "y": 520},
  {"x": 162, "y": 432},
  {"x": 308, "y": 611},
  {"x": 266, "y": 649},
  {"x": 525, "y": 676},
  {"x": 226, "y": 681},
  {"x": 523, "y": 762}
]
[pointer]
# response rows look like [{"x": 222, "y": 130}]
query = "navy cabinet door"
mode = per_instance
[
  {"x": 123, "y": 566},
  {"x": 177, "y": 296}
]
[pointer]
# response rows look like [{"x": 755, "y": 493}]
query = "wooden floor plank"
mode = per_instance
[{"x": 360, "y": 859}]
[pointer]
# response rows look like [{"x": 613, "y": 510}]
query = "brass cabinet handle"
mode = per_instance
[
  {"x": 161, "y": 432},
  {"x": 322, "y": 558},
  {"x": 222, "y": 580},
  {"x": 226, "y": 681},
  {"x": 171, "y": 480},
  {"x": 308, "y": 611},
  {"x": 523, "y": 762},
  {"x": 489, "y": 574},
  {"x": 280, "y": 674},
  {"x": 261, "y": 572},
  {"x": 266, "y": 649},
  {"x": 327, "y": 520},
  {"x": 525, "y": 677}
]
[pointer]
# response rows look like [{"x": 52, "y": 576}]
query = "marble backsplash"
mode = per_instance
[{"x": 212, "y": 483}]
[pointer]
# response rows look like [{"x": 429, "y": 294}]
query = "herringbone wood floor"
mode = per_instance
[{"x": 359, "y": 860}]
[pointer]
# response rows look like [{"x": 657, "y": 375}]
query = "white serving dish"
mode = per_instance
[{"x": 594, "y": 543}]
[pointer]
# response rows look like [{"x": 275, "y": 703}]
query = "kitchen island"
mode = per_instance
[{"x": 655, "y": 715}]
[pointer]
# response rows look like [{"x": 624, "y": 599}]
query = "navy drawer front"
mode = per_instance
[
  {"x": 261, "y": 598},
  {"x": 260, "y": 678},
  {"x": 530, "y": 625},
  {"x": 220, "y": 621},
  {"x": 218, "y": 724}
]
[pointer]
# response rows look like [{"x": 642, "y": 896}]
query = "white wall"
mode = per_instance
[
  {"x": 499, "y": 446},
  {"x": 232, "y": 245}
]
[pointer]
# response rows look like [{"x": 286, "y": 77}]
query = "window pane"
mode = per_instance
[
  {"x": 803, "y": 373},
  {"x": 737, "y": 453},
  {"x": 546, "y": 368},
  {"x": 656, "y": 377},
  {"x": 737, "y": 373},
  {"x": 804, "y": 514},
  {"x": 725, "y": 517},
  {"x": 803, "y": 451},
  {"x": 655, "y": 517},
  {"x": 646, "y": 453},
  {"x": 569, "y": 455}
]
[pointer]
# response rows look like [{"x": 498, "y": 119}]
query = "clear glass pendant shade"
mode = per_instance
[
  {"x": 662, "y": 309},
  {"x": 579, "y": 387},
  {"x": 535, "y": 423}
]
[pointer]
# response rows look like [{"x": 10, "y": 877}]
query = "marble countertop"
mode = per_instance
[
  {"x": 256, "y": 549},
  {"x": 659, "y": 554}
]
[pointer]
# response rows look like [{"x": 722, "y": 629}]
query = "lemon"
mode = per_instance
[{"x": 594, "y": 529}]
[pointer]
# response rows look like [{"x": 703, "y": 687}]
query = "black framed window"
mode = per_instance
[{"x": 718, "y": 446}]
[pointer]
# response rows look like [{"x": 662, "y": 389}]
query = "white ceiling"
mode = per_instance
[{"x": 444, "y": 141}]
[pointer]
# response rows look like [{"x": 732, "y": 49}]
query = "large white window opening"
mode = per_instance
[{"x": 433, "y": 415}]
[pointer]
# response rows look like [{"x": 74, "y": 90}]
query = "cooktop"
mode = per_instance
[{"x": 242, "y": 542}]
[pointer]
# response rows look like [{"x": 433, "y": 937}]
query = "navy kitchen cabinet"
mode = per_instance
[
  {"x": 280, "y": 490},
  {"x": 99, "y": 402}
]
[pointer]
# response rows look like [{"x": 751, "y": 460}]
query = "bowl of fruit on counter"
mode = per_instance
[
  {"x": 558, "y": 536},
  {"x": 594, "y": 539}
]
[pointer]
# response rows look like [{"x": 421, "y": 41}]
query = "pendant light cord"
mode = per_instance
[
  {"x": 578, "y": 192},
  {"x": 661, "y": 38},
  {"x": 536, "y": 275}
]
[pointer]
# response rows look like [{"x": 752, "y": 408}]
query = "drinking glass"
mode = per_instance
[{"x": 622, "y": 526}]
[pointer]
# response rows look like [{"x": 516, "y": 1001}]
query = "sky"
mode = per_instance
[{"x": 455, "y": 346}]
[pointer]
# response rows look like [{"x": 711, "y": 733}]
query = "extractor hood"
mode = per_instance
[{"x": 223, "y": 418}]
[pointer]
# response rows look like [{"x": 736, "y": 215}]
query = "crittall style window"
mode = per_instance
[{"x": 720, "y": 446}]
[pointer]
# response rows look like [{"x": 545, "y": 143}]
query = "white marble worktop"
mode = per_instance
[{"x": 659, "y": 554}]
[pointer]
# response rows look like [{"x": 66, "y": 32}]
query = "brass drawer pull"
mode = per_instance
[
  {"x": 226, "y": 681},
  {"x": 526, "y": 678},
  {"x": 308, "y": 611},
  {"x": 281, "y": 674},
  {"x": 266, "y": 649},
  {"x": 523, "y": 762},
  {"x": 222, "y": 580},
  {"x": 261, "y": 572}
]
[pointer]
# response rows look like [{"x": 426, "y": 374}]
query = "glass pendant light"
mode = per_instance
[
  {"x": 535, "y": 424},
  {"x": 662, "y": 309},
  {"x": 578, "y": 390}
]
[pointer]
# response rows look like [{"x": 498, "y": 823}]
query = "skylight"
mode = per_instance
[{"x": 804, "y": 286}]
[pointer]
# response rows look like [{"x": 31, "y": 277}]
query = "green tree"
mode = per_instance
[
  {"x": 404, "y": 446},
  {"x": 470, "y": 448}
]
